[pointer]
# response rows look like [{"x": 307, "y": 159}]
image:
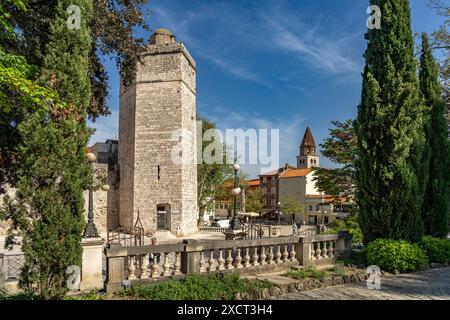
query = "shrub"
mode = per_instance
[
  {"x": 350, "y": 224},
  {"x": 196, "y": 287},
  {"x": 357, "y": 258},
  {"x": 308, "y": 272},
  {"x": 437, "y": 250},
  {"x": 396, "y": 255}
]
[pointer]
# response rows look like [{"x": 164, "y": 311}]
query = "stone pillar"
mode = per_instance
[
  {"x": 2, "y": 275},
  {"x": 303, "y": 250},
  {"x": 92, "y": 266},
  {"x": 190, "y": 257},
  {"x": 344, "y": 245}
]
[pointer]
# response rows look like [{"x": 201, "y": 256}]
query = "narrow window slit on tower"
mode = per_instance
[{"x": 159, "y": 172}]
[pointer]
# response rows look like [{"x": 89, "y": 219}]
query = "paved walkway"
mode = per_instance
[{"x": 433, "y": 284}]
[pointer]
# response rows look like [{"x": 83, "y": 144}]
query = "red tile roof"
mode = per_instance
[{"x": 295, "y": 173}]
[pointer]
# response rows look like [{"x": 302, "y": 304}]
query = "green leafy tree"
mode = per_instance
[
  {"x": 435, "y": 208},
  {"x": 211, "y": 177},
  {"x": 254, "y": 200},
  {"x": 341, "y": 148},
  {"x": 291, "y": 206},
  {"x": 112, "y": 36},
  {"x": 51, "y": 173},
  {"x": 389, "y": 131},
  {"x": 19, "y": 92}
]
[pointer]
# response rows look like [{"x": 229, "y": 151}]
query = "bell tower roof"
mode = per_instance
[{"x": 308, "y": 139}]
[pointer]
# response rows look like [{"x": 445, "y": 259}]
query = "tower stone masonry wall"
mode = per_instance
[{"x": 162, "y": 102}]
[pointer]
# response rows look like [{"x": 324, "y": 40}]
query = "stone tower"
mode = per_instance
[
  {"x": 153, "y": 112},
  {"x": 308, "y": 157}
]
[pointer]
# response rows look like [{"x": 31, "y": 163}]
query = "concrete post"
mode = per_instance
[
  {"x": 190, "y": 257},
  {"x": 92, "y": 264},
  {"x": 303, "y": 250},
  {"x": 115, "y": 272},
  {"x": 344, "y": 244}
]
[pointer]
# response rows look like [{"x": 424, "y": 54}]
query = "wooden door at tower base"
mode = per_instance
[{"x": 163, "y": 217}]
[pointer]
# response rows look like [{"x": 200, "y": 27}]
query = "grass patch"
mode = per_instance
[
  {"x": 196, "y": 287},
  {"x": 339, "y": 269},
  {"x": 308, "y": 272},
  {"x": 93, "y": 295}
]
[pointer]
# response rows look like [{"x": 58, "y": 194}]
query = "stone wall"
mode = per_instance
[{"x": 106, "y": 203}]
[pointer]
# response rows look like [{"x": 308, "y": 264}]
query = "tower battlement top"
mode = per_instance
[{"x": 162, "y": 36}]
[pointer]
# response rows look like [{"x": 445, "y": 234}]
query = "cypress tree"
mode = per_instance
[
  {"x": 389, "y": 130},
  {"x": 52, "y": 173},
  {"x": 435, "y": 206}
]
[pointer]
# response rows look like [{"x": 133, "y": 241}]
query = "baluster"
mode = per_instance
[
  {"x": 238, "y": 259},
  {"x": 230, "y": 259},
  {"x": 177, "y": 264},
  {"x": 247, "y": 258},
  {"x": 313, "y": 250},
  {"x": 202, "y": 262},
  {"x": 263, "y": 256},
  {"x": 155, "y": 266},
  {"x": 271, "y": 255},
  {"x": 325, "y": 251},
  {"x": 330, "y": 249},
  {"x": 166, "y": 265},
  {"x": 131, "y": 268},
  {"x": 318, "y": 251},
  {"x": 221, "y": 261},
  {"x": 278, "y": 254},
  {"x": 211, "y": 260},
  {"x": 144, "y": 266},
  {"x": 285, "y": 253},
  {"x": 255, "y": 257},
  {"x": 292, "y": 253}
]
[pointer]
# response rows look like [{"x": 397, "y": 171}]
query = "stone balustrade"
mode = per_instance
[
  {"x": 212, "y": 229},
  {"x": 325, "y": 249},
  {"x": 247, "y": 256}
]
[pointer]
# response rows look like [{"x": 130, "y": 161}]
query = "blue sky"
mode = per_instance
[{"x": 279, "y": 64}]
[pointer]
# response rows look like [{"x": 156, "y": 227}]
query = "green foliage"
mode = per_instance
[
  {"x": 389, "y": 130},
  {"x": 211, "y": 176},
  {"x": 307, "y": 272},
  {"x": 196, "y": 287},
  {"x": 112, "y": 29},
  {"x": 436, "y": 201},
  {"x": 291, "y": 206},
  {"x": 254, "y": 200},
  {"x": 350, "y": 224},
  {"x": 396, "y": 255},
  {"x": 339, "y": 269},
  {"x": 18, "y": 89},
  {"x": 50, "y": 171},
  {"x": 437, "y": 250},
  {"x": 357, "y": 258},
  {"x": 93, "y": 295},
  {"x": 341, "y": 148}
]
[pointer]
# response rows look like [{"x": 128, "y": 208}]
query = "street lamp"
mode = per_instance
[
  {"x": 90, "y": 231},
  {"x": 235, "y": 223},
  {"x": 279, "y": 211}
]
